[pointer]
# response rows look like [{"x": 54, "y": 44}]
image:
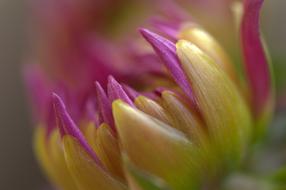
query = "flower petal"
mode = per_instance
[
  {"x": 140, "y": 180},
  {"x": 115, "y": 91},
  {"x": 104, "y": 106},
  {"x": 51, "y": 157},
  {"x": 85, "y": 171},
  {"x": 151, "y": 108},
  {"x": 183, "y": 118},
  {"x": 210, "y": 46},
  {"x": 156, "y": 147},
  {"x": 256, "y": 64},
  {"x": 167, "y": 52},
  {"x": 68, "y": 128},
  {"x": 223, "y": 109},
  {"x": 108, "y": 151}
]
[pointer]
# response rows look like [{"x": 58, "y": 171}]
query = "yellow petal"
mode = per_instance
[
  {"x": 225, "y": 112},
  {"x": 210, "y": 46},
  {"x": 105, "y": 145},
  {"x": 87, "y": 174},
  {"x": 89, "y": 133},
  {"x": 108, "y": 151},
  {"x": 183, "y": 118},
  {"x": 140, "y": 180},
  {"x": 187, "y": 120},
  {"x": 50, "y": 155},
  {"x": 151, "y": 108},
  {"x": 155, "y": 147}
]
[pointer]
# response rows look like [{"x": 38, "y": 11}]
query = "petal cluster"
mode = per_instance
[{"x": 169, "y": 112}]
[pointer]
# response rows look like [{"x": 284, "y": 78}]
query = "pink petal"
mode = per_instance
[
  {"x": 257, "y": 68},
  {"x": 167, "y": 52},
  {"x": 68, "y": 127},
  {"x": 104, "y": 106},
  {"x": 115, "y": 91}
]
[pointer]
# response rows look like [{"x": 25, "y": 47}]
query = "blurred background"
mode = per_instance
[{"x": 18, "y": 168}]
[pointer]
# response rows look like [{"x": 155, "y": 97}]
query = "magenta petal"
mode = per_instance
[
  {"x": 68, "y": 127},
  {"x": 133, "y": 94},
  {"x": 115, "y": 91},
  {"x": 92, "y": 112},
  {"x": 104, "y": 106},
  {"x": 167, "y": 52},
  {"x": 257, "y": 68}
]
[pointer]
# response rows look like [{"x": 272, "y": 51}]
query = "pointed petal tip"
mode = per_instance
[
  {"x": 67, "y": 126},
  {"x": 147, "y": 34},
  {"x": 56, "y": 98},
  {"x": 116, "y": 91},
  {"x": 157, "y": 41},
  {"x": 97, "y": 85},
  {"x": 118, "y": 104},
  {"x": 64, "y": 121},
  {"x": 111, "y": 78},
  {"x": 113, "y": 86},
  {"x": 166, "y": 50},
  {"x": 120, "y": 108},
  {"x": 100, "y": 92},
  {"x": 144, "y": 32},
  {"x": 186, "y": 47},
  {"x": 104, "y": 105}
]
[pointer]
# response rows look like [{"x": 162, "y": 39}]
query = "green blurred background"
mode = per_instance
[{"x": 18, "y": 168}]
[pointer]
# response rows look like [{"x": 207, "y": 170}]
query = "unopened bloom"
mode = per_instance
[{"x": 186, "y": 125}]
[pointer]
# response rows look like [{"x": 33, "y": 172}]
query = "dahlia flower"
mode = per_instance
[{"x": 116, "y": 112}]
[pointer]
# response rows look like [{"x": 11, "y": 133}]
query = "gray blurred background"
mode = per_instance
[{"x": 18, "y": 168}]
